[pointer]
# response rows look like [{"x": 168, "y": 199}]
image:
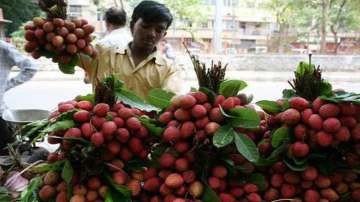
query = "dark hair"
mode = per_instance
[
  {"x": 151, "y": 12},
  {"x": 115, "y": 16}
]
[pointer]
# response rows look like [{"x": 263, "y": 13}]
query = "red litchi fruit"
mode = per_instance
[
  {"x": 216, "y": 115},
  {"x": 219, "y": 172},
  {"x": 85, "y": 105},
  {"x": 300, "y": 149},
  {"x": 250, "y": 188},
  {"x": 343, "y": 135},
  {"x": 224, "y": 197},
  {"x": 323, "y": 182},
  {"x": 347, "y": 109},
  {"x": 189, "y": 176},
  {"x": 324, "y": 139},
  {"x": 355, "y": 132},
  {"x": 317, "y": 103},
  {"x": 182, "y": 115},
  {"x": 187, "y": 129},
  {"x": 305, "y": 115},
  {"x": 174, "y": 180},
  {"x": 330, "y": 194},
  {"x": 97, "y": 139},
  {"x": 108, "y": 128},
  {"x": 135, "y": 145},
  {"x": 277, "y": 180},
  {"x": 152, "y": 184},
  {"x": 196, "y": 189},
  {"x": 311, "y": 196},
  {"x": 219, "y": 100},
  {"x": 187, "y": 101},
  {"x": 198, "y": 111},
  {"x": 166, "y": 160},
  {"x": 182, "y": 147},
  {"x": 211, "y": 128},
  {"x": 292, "y": 178},
  {"x": 200, "y": 97},
  {"x": 120, "y": 177},
  {"x": 288, "y": 190},
  {"x": 271, "y": 194},
  {"x": 125, "y": 113},
  {"x": 101, "y": 109},
  {"x": 166, "y": 117},
  {"x": 309, "y": 174},
  {"x": 171, "y": 134},
  {"x": 329, "y": 110},
  {"x": 290, "y": 117},
  {"x": 348, "y": 121},
  {"x": 201, "y": 123},
  {"x": 300, "y": 132},
  {"x": 315, "y": 122},
  {"x": 214, "y": 183},
  {"x": 298, "y": 103},
  {"x": 228, "y": 103},
  {"x": 331, "y": 125},
  {"x": 123, "y": 135},
  {"x": 254, "y": 197}
]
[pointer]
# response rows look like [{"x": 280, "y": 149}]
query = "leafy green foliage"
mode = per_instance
[
  {"x": 30, "y": 193},
  {"x": 268, "y": 106},
  {"x": 247, "y": 147},
  {"x": 210, "y": 195},
  {"x": 159, "y": 98},
  {"x": 279, "y": 136},
  {"x": 230, "y": 88},
  {"x": 244, "y": 118},
  {"x": 224, "y": 136}
]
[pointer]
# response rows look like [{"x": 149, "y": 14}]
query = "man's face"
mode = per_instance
[{"x": 148, "y": 35}]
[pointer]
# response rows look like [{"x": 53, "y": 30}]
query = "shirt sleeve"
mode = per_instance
[{"x": 27, "y": 67}]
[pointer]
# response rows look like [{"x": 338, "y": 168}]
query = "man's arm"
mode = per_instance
[{"x": 27, "y": 67}]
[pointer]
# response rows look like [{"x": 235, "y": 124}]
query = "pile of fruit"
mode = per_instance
[
  {"x": 204, "y": 146},
  {"x": 57, "y": 37}
]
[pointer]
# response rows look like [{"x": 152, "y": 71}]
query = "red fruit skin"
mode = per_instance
[
  {"x": 125, "y": 113},
  {"x": 323, "y": 182},
  {"x": 254, "y": 197},
  {"x": 211, "y": 128},
  {"x": 135, "y": 145},
  {"x": 187, "y": 101},
  {"x": 174, "y": 180},
  {"x": 85, "y": 105},
  {"x": 101, "y": 109},
  {"x": 315, "y": 122},
  {"x": 292, "y": 177},
  {"x": 290, "y": 117},
  {"x": 298, "y": 103},
  {"x": 94, "y": 183},
  {"x": 356, "y": 195},
  {"x": 167, "y": 160},
  {"x": 311, "y": 196},
  {"x": 133, "y": 123},
  {"x": 219, "y": 100},
  {"x": 343, "y": 135},
  {"x": 108, "y": 129},
  {"x": 331, "y": 125},
  {"x": 149, "y": 173},
  {"x": 119, "y": 122},
  {"x": 224, "y": 197},
  {"x": 97, "y": 139},
  {"x": 200, "y": 97},
  {"x": 73, "y": 132},
  {"x": 120, "y": 177},
  {"x": 228, "y": 103},
  {"x": 123, "y": 135},
  {"x": 214, "y": 183},
  {"x": 182, "y": 164},
  {"x": 250, "y": 188},
  {"x": 201, "y": 123},
  {"x": 216, "y": 115},
  {"x": 348, "y": 121},
  {"x": 300, "y": 149},
  {"x": 355, "y": 133},
  {"x": 152, "y": 184},
  {"x": 300, "y": 131},
  {"x": 347, "y": 109},
  {"x": 182, "y": 115},
  {"x": 305, "y": 115},
  {"x": 309, "y": 174},
  {"x": 277, "y": 180},
  {"x": 171, "y": 134},
  {"x": 219, "y": 172},
  {"x": 114, "y": 147},
  {"x": 198, "y": 111},
  {"x": 329, "y": 110},
  {"x": 237, "y": 192},
  {"x": 271, "y": 194},
  {"x": 189, "y": 176},
  {"x": 166, "y": 117},
  {"x": 65, "y": 108},
  {"x": 182, "y": 147},
  {"x": 87, "y": 130},
  {"x": 187, "y": 129},
  {"x": 317, "y": 103},
  {"x": 288, "y": 191},
  {"x": 324, "y": 139}
]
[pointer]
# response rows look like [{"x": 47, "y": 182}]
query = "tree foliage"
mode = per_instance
[{"x": 18, "y": 11}]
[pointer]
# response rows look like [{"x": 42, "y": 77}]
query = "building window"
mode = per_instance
[
  {"x": 204, "y": 25},
  {"x": 229, "y": 24},
  {"x": 231, "y": 3}
]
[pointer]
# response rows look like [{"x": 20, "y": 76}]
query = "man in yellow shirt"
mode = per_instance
[{"x": 139, "y": 65}]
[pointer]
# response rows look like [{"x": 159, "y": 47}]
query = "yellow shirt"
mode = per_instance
[{"x": 153, "y": 72}]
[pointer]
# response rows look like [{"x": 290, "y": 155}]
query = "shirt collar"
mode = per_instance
[{"x": 154, "y": 55}]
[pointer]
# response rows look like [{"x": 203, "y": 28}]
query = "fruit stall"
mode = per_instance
[{"x": 211, "y": 145}]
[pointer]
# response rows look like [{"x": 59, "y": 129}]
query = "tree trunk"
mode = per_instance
[{"x": 324, "y": 21}]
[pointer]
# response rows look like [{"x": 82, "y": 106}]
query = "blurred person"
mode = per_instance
[
  {"x": 9, "y": 58},
  {"x": 116, "y": 34},
  {"x": 140, "y": 64},
  {"x": 168, "y": 50}
]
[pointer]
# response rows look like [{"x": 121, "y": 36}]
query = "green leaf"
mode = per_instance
[
  {"x": 247, "y": 147},
  {"x": 273, "y": 158},
  {"x": 30, "y": 193},
  {"x": 224, "y": 136},
  {"x": 270, "y": 107},
  {"x": 4, "y": 194},
  {"x": 113, "y": 196},
  {"x": 32, "y": 130},
  {"x": 279, "y": 136},
  {"x": 244, "y": 118},
  {"x": 134, "y": 101},
  {"x": 293, "y": 166},
  {"x": 70, "y": 67},
  {"x": 123, "y": 190},
  {"x": 151, "y": 125},
  {"x": 88, "y": 97},
  {"x": 160, "y": 98},
  {"x": 59, "y": 125},
  {"x": 67, "y": 172},
  {"x": 325, "y": 88},
  {"x": 210, "y": 195},
  {"x": 258, "y": 179},
  {"x": 45, "y": 167},
  {"x": 230, "y": 88},
  {"x": 288, "y": 93}
]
